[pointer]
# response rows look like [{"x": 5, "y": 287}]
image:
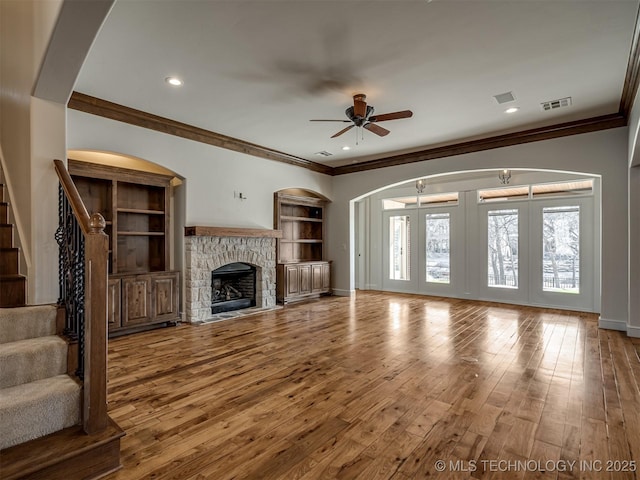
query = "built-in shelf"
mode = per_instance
[
  {"x": 142, "y": 293},
  {"x": 301, "y": 271},
  {"x": 141, "y": 210},
  {"x": 300, "y": 219},
  {"x": 142, "y": 234}
]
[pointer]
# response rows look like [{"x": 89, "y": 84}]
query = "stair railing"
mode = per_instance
[{"x": 83, "y": 261}]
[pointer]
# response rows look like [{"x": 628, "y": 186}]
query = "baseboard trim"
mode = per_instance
[
  {"x": 612, "y": 324},
  {"x": 633, "y": 331},
  {"x": 339, "y": 292}
]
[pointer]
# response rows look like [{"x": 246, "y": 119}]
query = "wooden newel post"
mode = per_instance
[{"x": 95, "y": 417}]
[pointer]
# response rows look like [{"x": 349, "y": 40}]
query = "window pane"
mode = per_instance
[
  {"x": 564, "y": 189},
  {"x": 503, "y": 193},
  {"x": 502, "y": 233},
  {"x": 438, "y": 245},
  {"x": 439, "y": 199},
  {"x": 399, "y": 202},
  {"x": 399, "y": 247},
  {"x": 561, "y": 249}
]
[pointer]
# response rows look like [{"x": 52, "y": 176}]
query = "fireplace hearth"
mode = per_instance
[{"x": 233, "y": 287}]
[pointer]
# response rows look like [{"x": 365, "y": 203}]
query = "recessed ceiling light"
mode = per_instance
[
  {"x": 512, "y": 110},
  {"x": 175, "y": 81},
  {"x": 346, "y": 147}
]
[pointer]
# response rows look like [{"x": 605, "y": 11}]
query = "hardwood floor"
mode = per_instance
[{"x": 379, "y": 387}]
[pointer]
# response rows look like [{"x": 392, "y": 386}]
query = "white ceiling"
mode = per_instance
[{"x": 260, "y": 70}]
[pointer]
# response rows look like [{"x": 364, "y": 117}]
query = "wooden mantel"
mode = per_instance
[{"x": 199, "y": 231}]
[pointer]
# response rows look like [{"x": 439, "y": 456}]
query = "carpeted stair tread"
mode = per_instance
[
  {"x": 27, "y": 322},
  {"x": 33, "y": 359},
  {"x": 35, "y": 409}
]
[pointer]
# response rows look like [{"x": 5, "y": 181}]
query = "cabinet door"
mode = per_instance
[
  {"x": 292, "y": 279},
  {"x": 136, "y": 300},
  {"x": 326, "y": 277},
  {"x": 305, "y": 279},
  {"x": 113, "y": 303},
  {"x": 165, "y": 289},
  {"x": 316, "y": 278}
]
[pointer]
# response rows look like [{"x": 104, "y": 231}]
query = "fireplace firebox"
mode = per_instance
[{"x": 233, "y": 287}]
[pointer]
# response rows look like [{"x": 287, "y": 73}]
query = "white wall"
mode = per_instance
[
  {"x": 634, "y": 219},
  {"x": 212, "y": 174},
  {"x": 602, "y": 153},
  {"x": 31, "y": 135},
  {"x": 634, "y": 252}
]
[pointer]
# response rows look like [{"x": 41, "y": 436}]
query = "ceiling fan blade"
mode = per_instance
[
  {"x": 391, "y": 116},
  {"x": 342, "y": 131},
  {"x": 360, "y": 105},
  {"x": 377, "y": 129},
  {"x": 344, "y": 121}
]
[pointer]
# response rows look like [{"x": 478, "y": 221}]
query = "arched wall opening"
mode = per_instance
[{"x": 602, "y": 153}]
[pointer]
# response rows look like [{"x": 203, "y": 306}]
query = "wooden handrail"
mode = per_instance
[
  {"x": 96, "y": 257},
  {"x": 74, "y": 197}
]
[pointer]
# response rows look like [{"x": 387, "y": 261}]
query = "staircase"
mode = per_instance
[
  {"x": 37, "y": 397},
  {"x": 13, "y": 286},
  {"x": 41, "y": 436}
]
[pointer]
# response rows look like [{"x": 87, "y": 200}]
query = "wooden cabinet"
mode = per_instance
[
  {"x": 137, "y": 301},
  {"x": 298, "y": 281},
  {"x": 302, "y": 271},
  {"x": 321, "y": 277},
  {"x": 141, "y": 290},
  {"x": 164, "y": 288}
]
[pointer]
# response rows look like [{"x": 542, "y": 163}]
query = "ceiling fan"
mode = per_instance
[{"x": 361, "y": 115}]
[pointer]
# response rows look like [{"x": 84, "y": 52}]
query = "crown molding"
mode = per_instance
[
  {"x": 526, "y": 136},
  {"x": 103, "y": 108}
]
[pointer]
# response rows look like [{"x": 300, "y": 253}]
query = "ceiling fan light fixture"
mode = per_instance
[
  {"x": 174, "y": 81},
  {"x": 361, "y": 116}
]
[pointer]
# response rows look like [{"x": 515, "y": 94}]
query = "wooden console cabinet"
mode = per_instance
[
  {"x": 301, "y": 270},
  {"x": 141, "y": 291}
]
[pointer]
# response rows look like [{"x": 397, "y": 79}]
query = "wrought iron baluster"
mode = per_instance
[{"x": 71, "y": 276}]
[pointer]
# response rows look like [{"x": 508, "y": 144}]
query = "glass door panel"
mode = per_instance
[
  {"x": 438, "y": 247},
  {"x": 502, "y": 252},
  {"x": 400, "y": 247},
  {"x": 564, "y": 260},
  {"x": 399, "y": 251},
  {"x": 561, "y": 249}
]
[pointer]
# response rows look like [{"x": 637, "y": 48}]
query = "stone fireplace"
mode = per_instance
[{"x": 207, "y": 249}]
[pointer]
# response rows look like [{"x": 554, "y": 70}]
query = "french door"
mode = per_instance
[
  {"x": 422, "y": 250},
  {"x": 400, "y": 256},
  {"x": 563, "y": 260},
  {"x": 537, "y": 252},
  {"x": 504, "y": 245}
]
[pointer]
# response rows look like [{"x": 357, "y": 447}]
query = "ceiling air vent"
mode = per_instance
[
  {"x": 324, "y": 153},
  {"x": 553, "y": 104},
  {"x": 504, "y": 98}
]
